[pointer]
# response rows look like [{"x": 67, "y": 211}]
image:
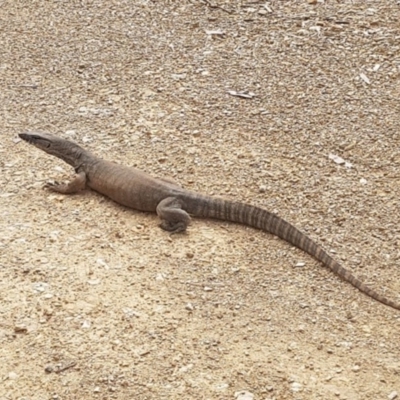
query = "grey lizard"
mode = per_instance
[{"x": 174, "y": 205}]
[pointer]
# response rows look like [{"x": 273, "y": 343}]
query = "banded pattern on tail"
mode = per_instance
[{"x": 256, "y": 217}]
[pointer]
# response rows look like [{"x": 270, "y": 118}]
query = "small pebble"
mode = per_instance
[
  {"x": 160, "y": 277},
  {"x": 85, "y": 324},
  {"x": 93, "y": 281},
  {"x": 262, "y": 189},
  {"x": 20, "y": 328},
  {"x": 244, "y": 395},
  {"x": 393, "y": 395},
  {"x": 296, "y": 387},
  {"x": 12, "y": 375},
  {"x": 221, "y": 386}
]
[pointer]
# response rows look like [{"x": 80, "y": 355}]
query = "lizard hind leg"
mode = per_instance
[{"x": 173, "y": 218}]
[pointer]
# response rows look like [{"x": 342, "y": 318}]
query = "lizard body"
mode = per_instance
[{"x": 174, "y": 205}]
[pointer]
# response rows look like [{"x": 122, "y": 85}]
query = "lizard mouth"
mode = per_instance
[
  {"x": 25, "y": 136},
  {"x": 30, "y": 137},
  {"x": 35, "y": 139}
]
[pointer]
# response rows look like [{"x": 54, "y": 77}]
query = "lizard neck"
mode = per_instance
[{"x": 74, "y": 155}]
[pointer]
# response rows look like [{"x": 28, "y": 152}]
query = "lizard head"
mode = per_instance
[
  {"x": 68, "y": 151},
  {"x": 43, "y": 141}
]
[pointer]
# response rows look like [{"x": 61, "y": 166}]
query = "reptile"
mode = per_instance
[{"x": 175, "y": 205}]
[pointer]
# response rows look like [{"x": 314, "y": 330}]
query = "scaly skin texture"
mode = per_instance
[{"x": 174, "y": 205}]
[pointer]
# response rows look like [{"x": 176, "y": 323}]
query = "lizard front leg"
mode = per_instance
[
  {"x": 173, "y": 218},
  {"x": 74, "y": 186}
]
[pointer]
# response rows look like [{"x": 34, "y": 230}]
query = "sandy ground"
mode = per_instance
[{"x": 96, "y": 302}]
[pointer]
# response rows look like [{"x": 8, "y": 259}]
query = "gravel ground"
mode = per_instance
[{"x": 251, "y": 100}]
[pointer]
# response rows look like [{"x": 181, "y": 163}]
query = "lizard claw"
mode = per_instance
[{"x": 51, "y": 185}]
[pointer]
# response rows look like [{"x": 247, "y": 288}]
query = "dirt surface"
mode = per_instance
[{"x": 96, "y": 302}]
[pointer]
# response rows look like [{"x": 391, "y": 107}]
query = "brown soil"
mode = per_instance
[{"x": 96, "y": 302}]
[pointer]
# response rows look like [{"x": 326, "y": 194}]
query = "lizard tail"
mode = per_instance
[{"x": 256, "y": 217}]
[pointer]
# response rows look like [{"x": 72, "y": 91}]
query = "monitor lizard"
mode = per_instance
[{"x": 174, "y": 205}]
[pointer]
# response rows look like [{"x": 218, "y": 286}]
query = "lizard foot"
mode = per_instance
[
  {"x": 58, "y": 187},
  {"x": 173, "y": 227},
  {"x": 72, "y": 187},
  {"x": 173, "y": 218},
  {"x": 52, "y": 185}
]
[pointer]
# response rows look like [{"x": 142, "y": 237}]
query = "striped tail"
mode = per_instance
[{"x": 256, "y": 217}]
